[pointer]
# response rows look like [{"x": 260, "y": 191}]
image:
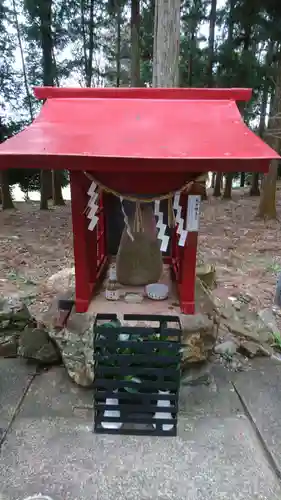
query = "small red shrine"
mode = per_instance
[{"x": 135, "y": 141}]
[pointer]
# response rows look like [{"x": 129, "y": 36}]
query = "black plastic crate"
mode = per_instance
[{"x": 132, "y": 364}]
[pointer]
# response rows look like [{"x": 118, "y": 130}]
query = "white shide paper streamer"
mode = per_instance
[
  {"x": 93, "y": 206},
  {"x": 193, "y": 213},
  {"x": 179, "y": 220},
  {"x": 161, "y": 226}
]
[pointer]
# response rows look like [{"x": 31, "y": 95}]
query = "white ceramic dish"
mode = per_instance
[
  {"x": 133, "y": 298},
  {"x": 157, "y": 291}
]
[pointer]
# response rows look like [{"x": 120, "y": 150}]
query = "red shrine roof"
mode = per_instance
[{"x": 198, "y": 129}]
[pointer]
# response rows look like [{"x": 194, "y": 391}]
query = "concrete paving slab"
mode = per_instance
[
  {"x": 15, "y": 378},
  {"x": 215, "y": 399},
  {"x": 211, "y": 459},
  {"x": 53, "y": 394},
  {"x": 260, "y": 390}
]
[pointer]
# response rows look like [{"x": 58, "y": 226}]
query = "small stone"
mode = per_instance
[
  {"x": 237, "y": 306},
  {"x": 229, "y": 347},
  {"x": 236, "y": 365}
]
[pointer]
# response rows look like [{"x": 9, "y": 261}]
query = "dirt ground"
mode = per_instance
[{"x": 35, "y": 244}]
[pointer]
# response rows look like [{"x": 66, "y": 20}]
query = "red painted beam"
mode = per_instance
[
  {"x": 119, "y": 166},
  {"x": 234, "y": 94}
]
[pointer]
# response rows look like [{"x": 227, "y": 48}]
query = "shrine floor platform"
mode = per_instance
[
  {"x": 100, "y": 304},
  {"x": 228, "y": 445}
]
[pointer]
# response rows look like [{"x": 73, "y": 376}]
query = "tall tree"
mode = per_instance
[
  {"x": 229, "y": 176},
  {"x": 135, "y": 43},
  {"x": 266, "y": 84},
  {"x": 267, "y": 205},
  {"x": 23, "y": 65},
  {"x": 193, "y": 57},
  {"x": 166, "y": 43},
  {"x": 45, "y": 18},
  {"x": 211, "y": 42},
  {"x": 118, "y": 9},
  {"x": 210, "y": 62},
  {"x": 41, "y": 18},
  {"x": 7, "y": 90},
  {"x": 6, "y": 198}
]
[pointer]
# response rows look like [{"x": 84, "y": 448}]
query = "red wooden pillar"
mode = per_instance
[
  {"x": 84, "y": 242},
  {"x": 188, "y": 271},
  {"x": 188, "y": 274}
]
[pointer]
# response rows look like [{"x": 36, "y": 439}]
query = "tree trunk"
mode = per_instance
[
  {"x": 255, "y": 189},
  {"x": 44, "y": 182},
  {"x": 45, "y": 13},
  {"x": 135, "y": 43},
  {"x": 229, "y": 177},
  {"x": 166, "y": 43},
  {"x": 267, "y": 206},
  {"x": 192, "y": 41},
  {"x": 217, "y": 189},
  {"x": 242, "y": 179},
  {"x": 228, "y": 186},
  {"x": 7, "y": 201},
  {"x": 57, "y": 190},
  {"x": 89, "y": 74},
  {"x": 118, "y": 42},
  {"x": 212, "y": 27},
  {"x": 84, "y": 39},
  {"x": 213, "y": 180},
  {"x": 28, "y": 98},
  {"x": 5, "y": 193}
]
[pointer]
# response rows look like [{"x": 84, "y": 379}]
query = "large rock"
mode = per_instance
[
  {"x": 250, "y": 328},
  {"x": 14, "y": 314},
  {"x": 14, "y": 318},
  {"x": 199, "y": 337},
  {"x": 61, "y": 282},
  {"x": 35, "y": 344},
  {"x": 75, "y": 342},
  {"x": 20, "y": 336},
  {"x": 207, "y": 274},
  {"x": 8, "y": 346}
]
